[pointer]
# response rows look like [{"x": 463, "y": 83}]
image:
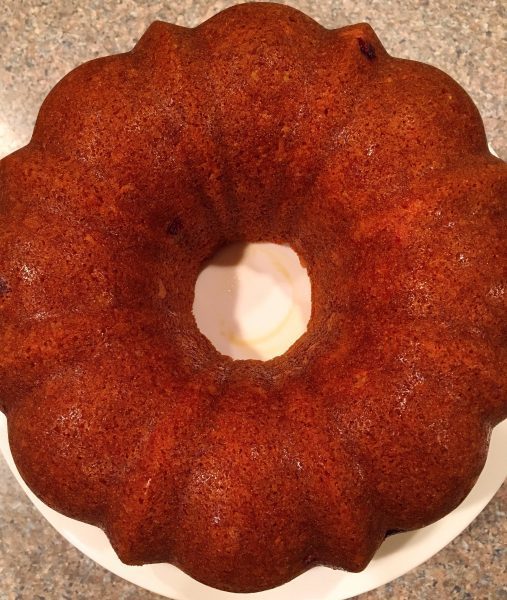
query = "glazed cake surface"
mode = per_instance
[{"x": 258, "y": 125}]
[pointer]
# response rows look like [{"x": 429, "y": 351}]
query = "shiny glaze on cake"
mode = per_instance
[{"x": 258, "y": 125}]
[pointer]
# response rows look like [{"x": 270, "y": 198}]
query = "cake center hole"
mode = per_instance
[{"x": 253, "y": 300}]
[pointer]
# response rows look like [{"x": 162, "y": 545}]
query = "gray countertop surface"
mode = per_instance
[{"x": 41, "y": 40}]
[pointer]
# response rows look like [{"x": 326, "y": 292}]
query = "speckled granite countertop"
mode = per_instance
[{"x": 40, "y": 40}]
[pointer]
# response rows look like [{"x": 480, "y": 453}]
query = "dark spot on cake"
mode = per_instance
[
  {"x": 174, "y": 227},
  {"x": 390, "y": 532},
  {"x": 4, "y": 287},
  {"x": 366, "y": 48}
]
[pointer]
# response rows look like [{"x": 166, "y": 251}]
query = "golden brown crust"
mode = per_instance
[{"x": 258, "y": 125}]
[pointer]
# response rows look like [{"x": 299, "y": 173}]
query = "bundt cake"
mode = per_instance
[{"x": 258, "y": 125}]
